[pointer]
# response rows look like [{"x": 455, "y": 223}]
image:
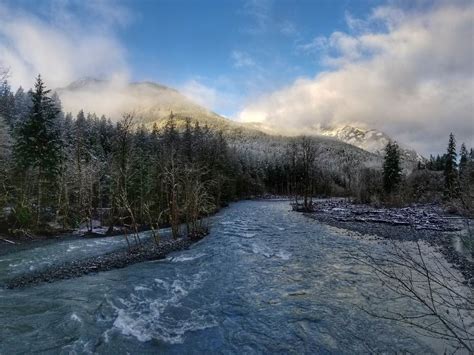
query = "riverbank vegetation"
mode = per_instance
[
  {"x": 447, "y": 179},
  {"x": 59, "y": 172}
]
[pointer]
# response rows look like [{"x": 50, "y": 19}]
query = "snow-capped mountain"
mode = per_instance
[
  {"x": 150, "y": 102},
  {"x": 153, "y": 103},
  {"x": 370, "y": 140}
]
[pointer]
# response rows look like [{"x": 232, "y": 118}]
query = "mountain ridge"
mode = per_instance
[{"x": 152, "y": 104}]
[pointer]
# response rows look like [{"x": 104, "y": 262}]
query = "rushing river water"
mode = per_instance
[{"x": 265, "y": 280}]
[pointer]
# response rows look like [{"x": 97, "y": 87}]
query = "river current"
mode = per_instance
[{"x": 266, "y": 280}]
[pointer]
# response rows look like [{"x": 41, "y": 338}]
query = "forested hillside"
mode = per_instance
[{"x": 60, "y": 171}]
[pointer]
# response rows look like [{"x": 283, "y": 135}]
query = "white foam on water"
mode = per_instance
[
  {"x": 72, "y": 248},
  {"x": 146, "y": 318},
  {"x": 76, "y": 318},
  {"x": 248, "y": 235},
  {"x": 79, "y": 347},
  {"x": 162, "y": 283},
  {"x": 262, "y": 250},
  {"x": 106, "y": 335},
  {"x": 283, "y": 255},
  {"x": 27, "y": 264},
  {"x": 142, "y": 288},
  {"x": 225, "y": 223},
  {"x": 133, "y": 326},
  {"x": 183, "y": 258}
]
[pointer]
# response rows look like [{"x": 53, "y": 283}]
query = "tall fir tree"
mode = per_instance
[
  {"x": 5, "y": 160},
  {"x": 22, "y": 106},
  {"x": 463, "y": 160},
  {"x": 392, "y": 171},
  {"x": 450, "y": 170},
  {"x": 38, "y": 143},
  {"x": 7, "y": 103}
]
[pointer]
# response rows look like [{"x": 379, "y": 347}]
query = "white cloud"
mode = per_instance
[
  {"x": 316, "y": 45},
  {"x": 258, "y": 12},
  {"x": 288, "y": 28},
  {"x": 216, "y": 98},
  {"x": 201, "y": 94},
  {"x": 64, "y": 47},
  {"x": 413, "y": 77},
  {"x": 242, "y": 59}
]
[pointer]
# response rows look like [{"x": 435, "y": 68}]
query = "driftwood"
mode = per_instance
[{"x": 8, "y": 241}]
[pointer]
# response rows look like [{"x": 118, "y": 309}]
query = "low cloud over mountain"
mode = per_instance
[{"x": 410, "y": 74}]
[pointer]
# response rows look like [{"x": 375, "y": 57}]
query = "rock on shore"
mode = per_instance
[
  {"x": 428, "y": 223},
  {"x": 114, "y": 260}
]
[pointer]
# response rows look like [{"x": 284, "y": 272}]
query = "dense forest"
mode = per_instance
[
  {"x": 59, "y": 172},
  {"x": 68, "y": 171}
]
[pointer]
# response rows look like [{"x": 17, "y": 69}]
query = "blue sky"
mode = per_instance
[{"x": 240, "y": 48}]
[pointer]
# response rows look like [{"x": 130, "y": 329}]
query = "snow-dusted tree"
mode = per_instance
[
  {"x": 463, "y": 159},
  {"x": 140, "y": 173},
  {"x": 451, "y": 176},
  {"x": 466, "y": 179},
  {"x": 122, "y": 154},
  {"x": 4, "y": 73},
  {"x": 80, "y": 159},
  {"x": 7, "y": 103},
  {"x": 22, "y": 106},
  {"x": 5, "y": 161},
  {"x": 392, "y": 171},
  {"x": 307, "y": 156},
  {"x": 38, "y": 145}
]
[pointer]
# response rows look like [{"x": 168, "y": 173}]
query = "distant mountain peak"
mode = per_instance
[
  {"x": 371, "y": 140},
  {"x": 83, "y": 83},
  {"x": 152, "y": 85},
  {"x": 153, "y": 103}
]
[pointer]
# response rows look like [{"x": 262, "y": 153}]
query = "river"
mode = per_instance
[{"x": 266, "y": 280}]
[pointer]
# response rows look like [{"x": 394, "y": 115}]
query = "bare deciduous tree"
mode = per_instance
[
  {"x": 443, "y": 304},
  {"x": 198, "y": 202},
  {"x": 171, "y": 178},
  {"x": 4, "y": 73}
]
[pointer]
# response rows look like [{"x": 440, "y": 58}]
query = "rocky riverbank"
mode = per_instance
[
  {"x": 429, "y": 223},
  {"x": 113, "y": 260}
]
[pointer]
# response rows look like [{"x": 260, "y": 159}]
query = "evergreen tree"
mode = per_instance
[
  {"x": 140, "y": 171},
  {"x": 450, "y": 170},
  {"x": 392, "y": 171},
  {"x": 5, "y": 160},
  {"x": 38, "y": 143},
  {"x": 7, "y": 103},
  {"x": 463, "y": 160},
  {"x": 187, "y": 144},
  {"x": 22, "y": 106},
  {"x": 5, "y": 140}
]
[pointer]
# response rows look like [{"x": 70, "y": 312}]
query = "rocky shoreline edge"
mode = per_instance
[
  {"x": 428, "y": 223},
  {"x": 149, "y": 251}
]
